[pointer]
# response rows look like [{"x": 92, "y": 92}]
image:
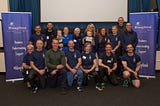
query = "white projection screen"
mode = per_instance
[{"x": 83, "y": 10}]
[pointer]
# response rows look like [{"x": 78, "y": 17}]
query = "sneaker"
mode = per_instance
[
  {"x": 99, "y": 88},
  {"x": 79, "y": 89},
  {"x": 63, "y": 91},
  {"x": 28, "y": 85},
  {"x": 35, "y": 90},
  {"x": 103, "y": 85},
  {"x": 126, "y": 83}
]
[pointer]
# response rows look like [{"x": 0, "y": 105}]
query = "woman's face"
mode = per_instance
[
  {"x": 103, "y": 31},
  {"x": 29, "y": 50}
]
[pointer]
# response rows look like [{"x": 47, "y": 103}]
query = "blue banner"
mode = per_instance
[
  {"x": 16, "y": 27},
  {"x": 146, "y": 26}
]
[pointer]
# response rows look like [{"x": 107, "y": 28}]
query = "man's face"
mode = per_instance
[
  {"x": 108, "y": 48},
  {"x": 128, "y": 27},
  {"x": 120, "y": 21},
  {"x": 39, "y": 44},
  {"x": 88, "y": 48},
  {"x": 71, "y": 44},
  {"x": 55, "y": 44},
  {"x": 49, "y": 25},
  {"x": 130, "y": 48},
  {"x": 38, "y": 29}
]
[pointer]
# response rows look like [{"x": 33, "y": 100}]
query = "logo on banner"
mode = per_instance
[
  {"x": 18, "y": 29},
  {"x": 139, "y": 26}
]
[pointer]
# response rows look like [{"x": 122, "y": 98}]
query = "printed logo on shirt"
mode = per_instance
[
  {"x": 47, "y": 37},
  {"x": 134, "y": 60},
  {"x": 83, "y": 57},
  {"x": 75, "y": 56},
  {"x": 75, "y": 40}
]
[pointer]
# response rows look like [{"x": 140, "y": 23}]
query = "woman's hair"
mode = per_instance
[
  {"x": 30, "y": 46},
  {"x": 94, "y": 29}
]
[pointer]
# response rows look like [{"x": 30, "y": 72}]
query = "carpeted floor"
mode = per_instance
[{"x": 16, "y": 94}]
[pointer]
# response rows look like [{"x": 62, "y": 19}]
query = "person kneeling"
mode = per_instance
[
  {"x": 108, "y": 64},
  {"x": 37, "y": 76},
  {"x": 73, "y": 59},
  {"x": 88, "y": 66},
  {"x": 131, "y": 63}
]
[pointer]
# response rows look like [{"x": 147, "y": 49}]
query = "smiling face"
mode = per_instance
[
  {"x": 55, "y": 44},
  {"x": 103, "y": 31},
  {"x": 30, "y": 48},
  {"x": 129, "y": 48},
  {"x": 108, "y": 48},
  {"x": 114, "y": 30},
  {"x": 71, "y": 44},
  {"x": 65, "y": 30},
  {"x": 37, "y": 29},
  {"x": 128, "y": 26},
  {"x": 49, "y": 25},
  {"x": 120, "y": 21},
  {"x": 39, "y": 44}
]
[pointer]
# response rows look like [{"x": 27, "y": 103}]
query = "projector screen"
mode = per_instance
[{"x": 83, "y": 10}]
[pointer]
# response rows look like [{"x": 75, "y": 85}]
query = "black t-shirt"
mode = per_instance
[
  {"x": 27, "y": 59},
  {"x": 131, "y": 60},
  {"x": 72, "y": 57},
  {"x": 87, "y": 60},
  {"x": 38, "y": 57},
  {"x": 108, "y": 60}
]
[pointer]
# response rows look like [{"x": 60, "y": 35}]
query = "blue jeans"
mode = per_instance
[{"x": 70, "y": 77}]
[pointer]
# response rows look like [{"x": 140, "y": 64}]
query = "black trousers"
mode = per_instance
[
  {"x": 36, "y": 79},
  {"x": 95, "y": 76},
  {"x": 53, "y": 78},
  {"x": 112, "y": 77}
]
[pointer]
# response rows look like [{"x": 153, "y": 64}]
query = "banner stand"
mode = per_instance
[
  {"x": 146, "y": 26},
  {"x": 16, "y": 29}
]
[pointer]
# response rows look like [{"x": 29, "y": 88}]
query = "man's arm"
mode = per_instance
[
  {"x": 124, "y": 63},
  {"x": 69, "y": 68},
  {"x": 78, "y": 64},
  {"x": 114, "y": 67},
  {"x": 101, "y": 64},
  {"x": 138, "y": 67}
]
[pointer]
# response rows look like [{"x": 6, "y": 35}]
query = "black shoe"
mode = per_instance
[{"x": 63, "y": 91}]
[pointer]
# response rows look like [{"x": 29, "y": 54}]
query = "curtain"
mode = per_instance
[{"x": 27, "y": 6}]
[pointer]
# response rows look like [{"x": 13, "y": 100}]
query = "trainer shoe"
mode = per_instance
[
  {"x": 126, "y": 83},
  {"x": 99, "y": 88},
  {"x": 79, "y": 89},
  {"x": 35, "y": 90}
]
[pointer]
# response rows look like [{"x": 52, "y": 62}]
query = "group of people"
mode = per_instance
[{"x": 80, "y": 56}]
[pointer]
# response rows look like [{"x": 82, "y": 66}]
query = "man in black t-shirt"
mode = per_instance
[
  {"x": 131, "y": 63},
  {"x": 88, "y": 66},
  {"x": 50, "y": 34},
  {"x": 108, "y": 65}
]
